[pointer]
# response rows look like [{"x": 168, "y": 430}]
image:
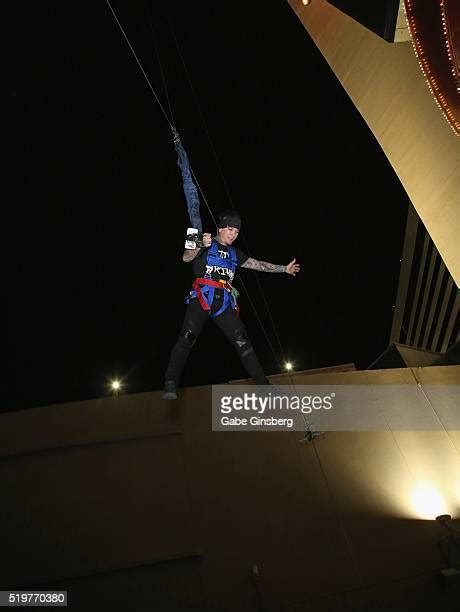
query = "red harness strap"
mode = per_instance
[{"x": 211, "y": 283}]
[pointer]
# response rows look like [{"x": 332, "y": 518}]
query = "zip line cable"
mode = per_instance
[
  {"x": 162, "y": 72},
  {"x": 140, "y": 65},
  {"x": 175, "y": 133},
  {"x": 200, "y": 112},
  {"x": 171, "y": 125}
]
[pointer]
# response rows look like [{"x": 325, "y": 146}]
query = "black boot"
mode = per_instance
[{"x": 170, "y": 390}]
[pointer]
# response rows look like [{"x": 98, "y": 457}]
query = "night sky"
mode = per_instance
[{"x": 94, "y": 281}]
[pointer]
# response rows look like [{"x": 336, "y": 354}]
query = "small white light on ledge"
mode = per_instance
[{"x": 115, "y": 386}]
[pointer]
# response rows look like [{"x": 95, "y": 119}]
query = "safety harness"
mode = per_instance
[{"x": 204, "y": 288}]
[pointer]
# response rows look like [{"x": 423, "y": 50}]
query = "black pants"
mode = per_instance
[{"x": 229, "y": 323}]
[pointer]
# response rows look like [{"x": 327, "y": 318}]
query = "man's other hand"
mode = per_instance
[{"x": 292, "y": 268}]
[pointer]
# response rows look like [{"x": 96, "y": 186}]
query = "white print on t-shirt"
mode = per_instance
[
  {"x": 224, "y": 254},
  {"x": 220, "y": 270}
]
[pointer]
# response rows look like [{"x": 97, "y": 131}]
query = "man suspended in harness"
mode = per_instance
[{"x": 214, "y": 297}]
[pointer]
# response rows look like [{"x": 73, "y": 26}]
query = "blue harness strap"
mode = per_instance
[
  {"x": 208, "y": 295},
  {"x": 207, "y": 291},
  {"x": 228, "y": 299},
  {"x": 214, "y": 259}
]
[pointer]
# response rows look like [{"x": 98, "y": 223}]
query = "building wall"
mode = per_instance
[
  {"x": 387, "y": 86},
  {"x": 426, "y": 313},
  {"x": 133, "y": 502}
]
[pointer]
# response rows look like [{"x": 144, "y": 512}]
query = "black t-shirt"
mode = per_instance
[{"x": 200, "y": 267}]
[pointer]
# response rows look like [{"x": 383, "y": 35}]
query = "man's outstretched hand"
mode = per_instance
[{"x": 292, "y": 268}]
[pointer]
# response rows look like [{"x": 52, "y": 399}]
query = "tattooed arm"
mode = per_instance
[
  {"x": 263, "y": 266},
  {"x": 190, "y": 254}
]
